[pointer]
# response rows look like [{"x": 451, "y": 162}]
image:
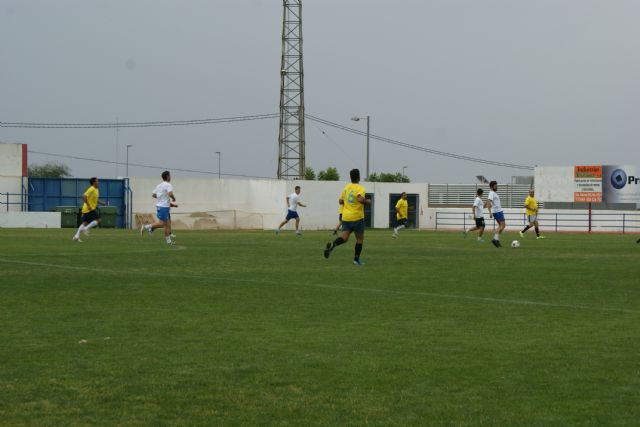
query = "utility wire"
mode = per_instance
[
  {"x": 416, "y": 147},
  {"x": 117, "y": 125},
  {"x": 146, "y": 166}
]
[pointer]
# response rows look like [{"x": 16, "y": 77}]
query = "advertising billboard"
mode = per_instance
[
  {"x": 621, "y": 184},
  {"x": 588, "y": 184}
]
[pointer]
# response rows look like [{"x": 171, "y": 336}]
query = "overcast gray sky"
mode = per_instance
[{"x": 545, "y": 82}]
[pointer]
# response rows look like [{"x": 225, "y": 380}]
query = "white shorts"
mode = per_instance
[{"x": 532, "y": 218}]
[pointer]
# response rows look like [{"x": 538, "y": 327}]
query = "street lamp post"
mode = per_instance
[
  {"x": 128, "y": 146},
  {"x": 357, "y": 119},
  {"x": 403, "y": 168},
  {"x": 219, "y": 160}
]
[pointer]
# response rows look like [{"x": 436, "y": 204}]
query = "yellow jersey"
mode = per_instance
[
  {"x": 401, "y": 209},
  {"x": 531, "y": 206},
  {"x": 352, "y": 209},
  {"x": 91, "y": 204}
]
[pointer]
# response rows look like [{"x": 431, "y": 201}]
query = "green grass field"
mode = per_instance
[{"x": 244, "y": 328}]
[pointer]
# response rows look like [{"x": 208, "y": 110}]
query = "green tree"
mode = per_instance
[
  {"x": 388, "y": 177},
  {"x": 331, "y": 174},
  {"x": 309, "y": 174},
  {"x": 49, "y": 170}
]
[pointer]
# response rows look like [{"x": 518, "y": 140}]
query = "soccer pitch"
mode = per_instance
[{"x": 251, "y": 328}]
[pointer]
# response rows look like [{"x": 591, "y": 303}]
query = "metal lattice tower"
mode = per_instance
[{"x": 291, "y": 163}]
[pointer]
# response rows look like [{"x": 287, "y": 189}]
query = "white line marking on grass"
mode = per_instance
[
  {"x": 324, "y": 286},
  {"x": 97, "y": 253}
]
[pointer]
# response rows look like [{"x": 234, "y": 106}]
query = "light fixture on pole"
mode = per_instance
[
  {"x": 403, "y": 175},
  {"x": 357, "y": 119},
  {"x": 219, "y": 161},
  {"x": 128, "y": 146}
]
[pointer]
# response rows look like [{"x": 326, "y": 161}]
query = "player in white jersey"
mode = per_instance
[
  {"x": 165, "y": 201},
  {"x": 478, "y": 216},
  {"x": 292, "y": 210},
  {"x": 495, "y": 211}
]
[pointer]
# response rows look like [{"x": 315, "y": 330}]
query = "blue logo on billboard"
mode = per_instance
[{"x": 618, "y": 179}]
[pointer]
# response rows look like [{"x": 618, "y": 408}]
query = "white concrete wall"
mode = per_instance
[
  {"x": 29, "y": 219},
  {"x": 212, "y": 203},
  {"x": 10, "y": 175}
]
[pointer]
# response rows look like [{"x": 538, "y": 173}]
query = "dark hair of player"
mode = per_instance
[
  {"x": 93, "y": 180},
  {"x": 165, "y": 175},
  {"x": 297, "y": 187},
  {"x": 479, "y": 192},
  {"x": 492, "y": 183},
  {"x": 355, "y": 175}
]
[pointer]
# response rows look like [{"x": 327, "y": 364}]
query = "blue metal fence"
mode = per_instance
[{"x": 47, "y": 193}]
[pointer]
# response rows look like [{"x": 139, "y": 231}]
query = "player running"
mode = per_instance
[
  {"x": 402, "y": 208},
  {"x": 165, "y": 201},
  {"x": 495, "y": 211},
  {"x": 90, "y": 215},
  {"x": 478, "y": 215},
  {"x": 531, "y": 210},
  {"x": 353, "y": 198},
  {"x": 292, "y": 210}
]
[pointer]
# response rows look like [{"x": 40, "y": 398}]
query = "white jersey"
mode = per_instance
[
  {"x": 496, "y": 206},
  {"x": 293, "y": 201},
  {"x": 162, "y": 194},
  {"x": 478, "y": 207}
]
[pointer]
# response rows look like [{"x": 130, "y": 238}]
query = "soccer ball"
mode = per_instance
[{"x": 515, "y": 244}]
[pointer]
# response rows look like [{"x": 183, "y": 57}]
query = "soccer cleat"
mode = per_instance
[
  {"x": 358, "y": 262},
  {"x": 277, "y": 231},
  {"x": 638, "y": 241},
  {"x": 298, "y": 233},
  {"x": 327, "y": 250},
  {"x": 496, "y": 243},
  {"x": 539, "y": 237},
  {"x": 173, "y": 236},
  {"x": 394, "y": 235},
  {"x": 480, "y": 240},
  {"x": 76, "y": 239},
  {"x": 465, "y": 232},
  {"x": 335, "y": 232},
  {"x": 521, "y": 235}
]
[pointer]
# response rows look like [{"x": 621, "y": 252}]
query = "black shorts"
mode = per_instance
[
  {"x": 355, "y": 226},
  {"x": 480, "y": 222},
  {"x": 90, "y": 216},
  {"x": 402, "y": 221}
]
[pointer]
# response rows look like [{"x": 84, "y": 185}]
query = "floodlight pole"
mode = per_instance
[
  {"x": 128, "y": 146},
  {"x": 219, "y": 161},
  {"x": 367, "y": 118}
]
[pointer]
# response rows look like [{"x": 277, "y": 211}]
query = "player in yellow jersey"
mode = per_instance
[
  {"x": 353, "y": 201},
  {"x": 531, "y": 210},
  {"x": 402, "y": 208},
  {"x": 90, "y": 215},
  {"x": 341, "y": 204}
]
